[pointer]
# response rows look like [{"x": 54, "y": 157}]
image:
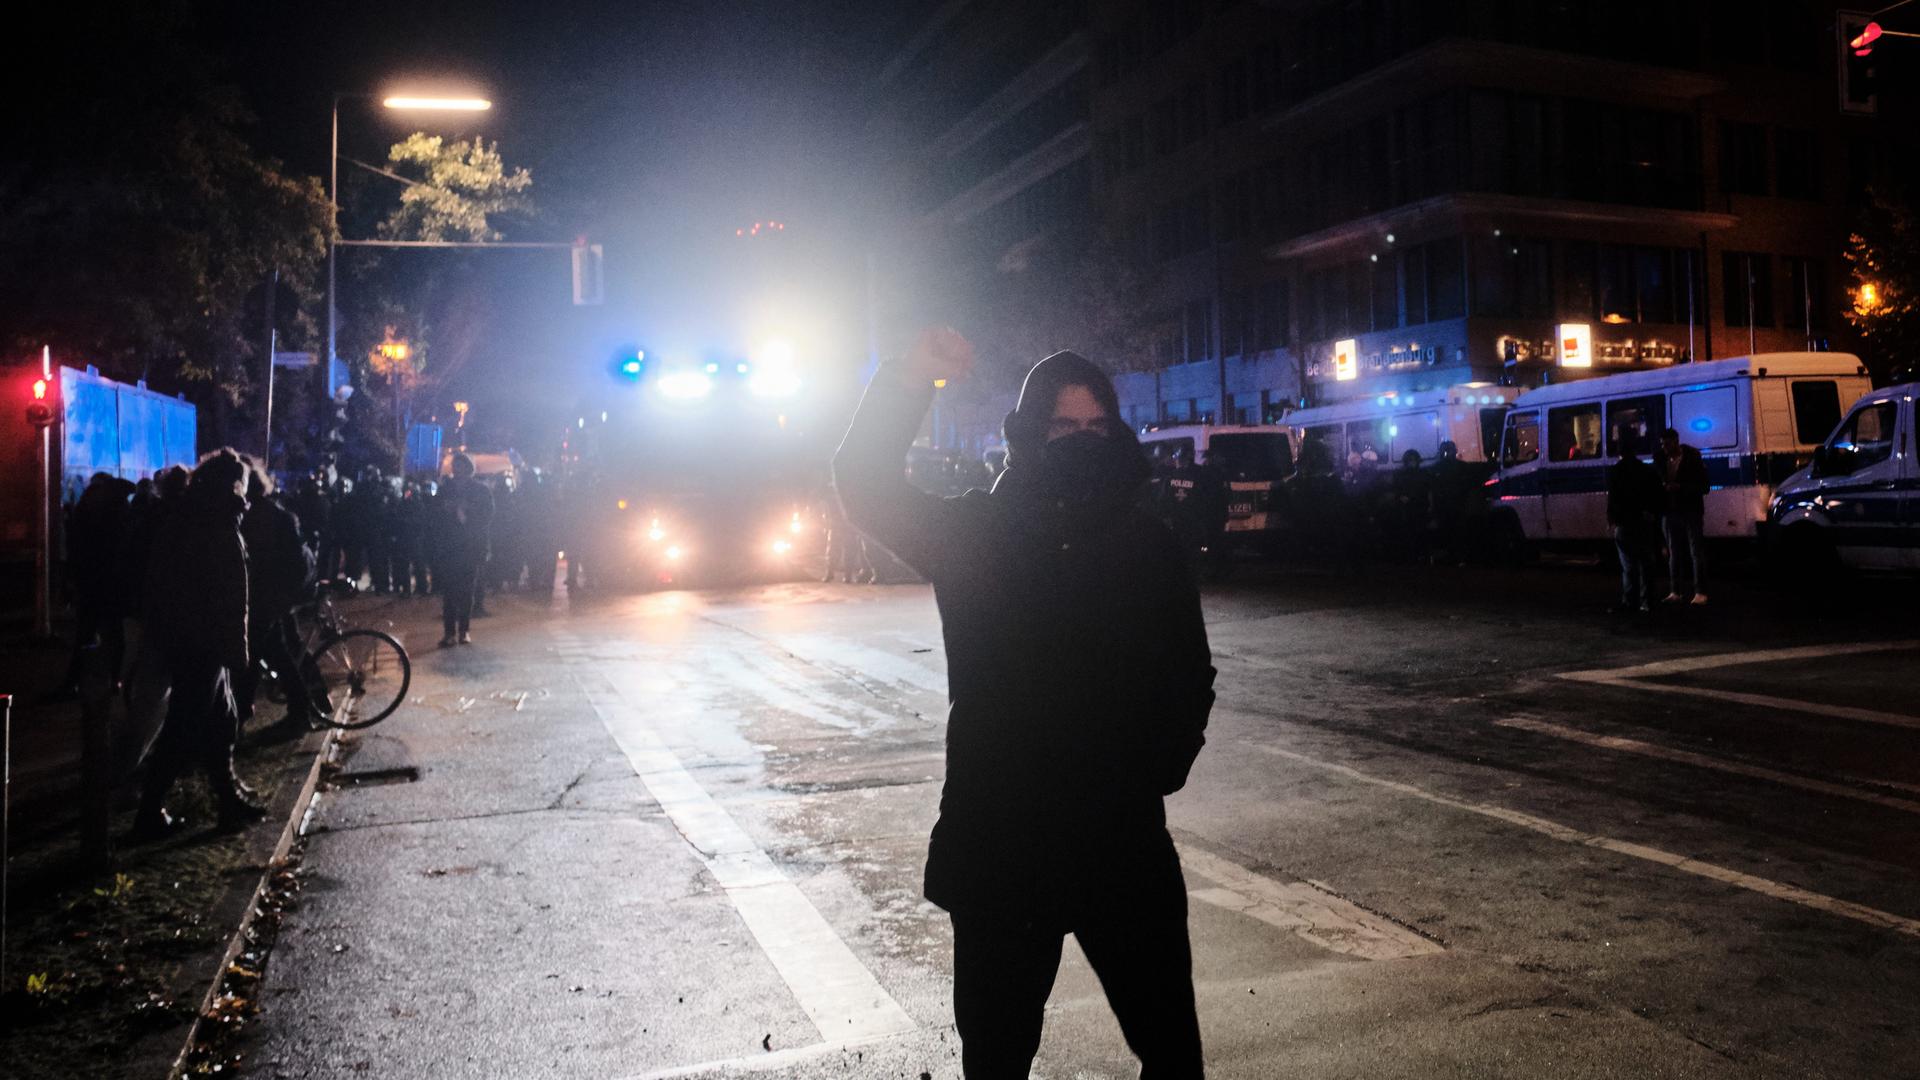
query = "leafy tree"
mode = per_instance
[
  {"x": 140, "y": 223},
  {"x": 1884, "y": 255},
  {"x": 458, "y": 190}
]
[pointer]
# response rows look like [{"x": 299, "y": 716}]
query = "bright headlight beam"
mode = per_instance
[
  {"x": 775, "y": 383},
  {"x": 686, "y": 385}
]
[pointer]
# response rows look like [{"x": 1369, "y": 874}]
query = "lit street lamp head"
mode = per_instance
[{"x": 438, "y": 104}]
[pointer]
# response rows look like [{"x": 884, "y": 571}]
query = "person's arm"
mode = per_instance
[
  {"x": 869, "y": 474},
  {"x": 869, "y": 470},
  {"x": 1188, "y": 683},
  {"x": 230, "y": 593}
]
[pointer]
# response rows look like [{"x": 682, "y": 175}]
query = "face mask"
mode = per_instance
[{"x": 1089, "y": 465}]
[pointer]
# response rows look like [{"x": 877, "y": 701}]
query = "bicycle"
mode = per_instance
[{"x": 352, "y": 676}]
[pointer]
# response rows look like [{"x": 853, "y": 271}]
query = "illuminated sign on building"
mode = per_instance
[
  {"x": 1346, "y": 360},
  {"x": 1576, "y": 344}
]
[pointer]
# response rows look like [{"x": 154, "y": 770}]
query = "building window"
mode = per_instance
[
  {"x": 1446, "y": 279},
  {"x": 1743, "y": 158},
  {"x": 1235, "y": 197},
  {"x": 1197, "y": 319},
  {"x": 1162, "y": 126},
  {"x": 1271, "y": 316},
  {"x": 1512, "y": 276},
  {"x": 1133, "y": 143},
  {"x": 1193, "y": 113},
  {"x": 1196, "y": 232},
  {"x": 1805, "y": 305},
  {"x": 1233, "y": 91},
  {"x": 1747, "y": 284},
  {"x": 1796, "y": 164}
]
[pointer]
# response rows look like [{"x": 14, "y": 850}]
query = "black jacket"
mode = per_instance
[
  {"x": 1635, "y": 495},
  {"x": 195, "y": 600},
  {"x": 462, "y": 522},
  {"x": 1079, "y": 677},
  {"x": 278, "y": 563},
  {"x": 1687, "y": 489}
]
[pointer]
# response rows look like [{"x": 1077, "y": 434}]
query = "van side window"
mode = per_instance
[
  {"x": 1490, "y": 420},
  {"x": 1573, "y": 432},
  {"x": 1367, "y": 442},
  {"x": 1416, "y": 431},
  {"x": 1522, "y": 443},
  {"x": 1816, "y": 410},
  {"x": 1634, "y": 425},
  {"x": 1868, "y": 434},
  {"x": 1328, "y": 441},
  {"x": 1706, "y": 419}
]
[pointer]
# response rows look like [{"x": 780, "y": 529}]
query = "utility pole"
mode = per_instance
[{"x": 273, "y": 347}]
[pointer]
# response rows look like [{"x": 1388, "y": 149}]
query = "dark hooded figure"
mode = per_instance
[
  {"x": 196, "y": 614},
  {"x": 1080, "y": 681}
]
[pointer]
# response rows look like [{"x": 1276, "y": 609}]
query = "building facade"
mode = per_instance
[
  {"x": 1359, "y": 196},
  {"x": 1329, "y": 199}
]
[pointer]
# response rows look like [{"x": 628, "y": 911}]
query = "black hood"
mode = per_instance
[{"x": 1117, "y": 478}]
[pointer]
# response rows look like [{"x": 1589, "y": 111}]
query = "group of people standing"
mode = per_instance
[
  {"x": 210, "y": 565},
  {"x": 1648, "y": 503}
]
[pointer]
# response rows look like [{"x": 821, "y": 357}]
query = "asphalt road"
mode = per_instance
[{"x": 1449, "y": 822}]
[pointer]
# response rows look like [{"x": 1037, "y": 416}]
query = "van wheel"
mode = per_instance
[
  {"x": 1507, "y": 541},
  {"x": 1807, "y": 559}
]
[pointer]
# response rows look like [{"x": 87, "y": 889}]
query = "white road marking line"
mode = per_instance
[
  {"x": 1688, "y": 757},
  {"x": 1757, "y": 656},
  {"x": 1314, "y": 915},
  {"x": 1567, "y": 834},
  {"x": 833, "y": 987},
  {"x": 1633, "y": 678},
  {"x": 1768, "y": 701}
]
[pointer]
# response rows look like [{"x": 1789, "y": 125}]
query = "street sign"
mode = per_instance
[{"x": 295, "y": 359}]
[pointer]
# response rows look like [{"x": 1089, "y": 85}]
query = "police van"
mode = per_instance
[
  {"x": 1754, "y": 419},
  {"x": 1857, "y": 503},
  {"x": 1252, "y": 458},
  {"x": 1378, "y": 431}
]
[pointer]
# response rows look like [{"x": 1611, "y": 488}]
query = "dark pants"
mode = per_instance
[
  {"x": 199, "y": 732},
  {"x": 95, "y": 618},
  {"x": 458, "y": 582},
  {"x": 274, "y": 641},
  {"x": 1686, "y": 553},
  {"x": 1003, "y": 971},
  {"x": 1635, "y": 545}
]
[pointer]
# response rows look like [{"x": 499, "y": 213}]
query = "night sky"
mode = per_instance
[{"x": 652, "y": 128}]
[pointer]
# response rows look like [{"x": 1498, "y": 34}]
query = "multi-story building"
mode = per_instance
[
  {"x": 1344, "y": 198},
  {"x": 1334, "y": 198},
  {"x": 979, "y": 127}
]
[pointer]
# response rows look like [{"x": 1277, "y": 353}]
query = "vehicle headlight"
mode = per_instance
[
  {"x": 674, "y": 552},
  {"x": 781, "y": 546}
]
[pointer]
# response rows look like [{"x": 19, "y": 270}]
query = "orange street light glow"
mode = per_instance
[{"x": 439, "y": 104}]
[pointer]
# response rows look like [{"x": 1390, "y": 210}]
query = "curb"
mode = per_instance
[{"x": 297, "y": 809}]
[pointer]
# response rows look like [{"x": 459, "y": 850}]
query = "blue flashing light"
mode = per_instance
[
  {"x": 630, "y": 367},
  {"x": 712, "y": 368},
  {"x": 1701, "y": 423},
  {"x": 740, "y": 368}
]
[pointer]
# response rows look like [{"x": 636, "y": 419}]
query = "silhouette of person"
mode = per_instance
[{"x": 1080, "y": 681}]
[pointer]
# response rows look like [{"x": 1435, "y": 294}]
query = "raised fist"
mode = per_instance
[{"x": 938, "y": 355}]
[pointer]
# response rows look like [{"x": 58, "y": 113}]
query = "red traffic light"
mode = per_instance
[{"x": 1863, "y": 43}]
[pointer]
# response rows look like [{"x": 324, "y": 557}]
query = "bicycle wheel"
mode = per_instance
[{"x": 364, "y": 675}]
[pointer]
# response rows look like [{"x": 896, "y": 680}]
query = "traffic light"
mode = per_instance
[
  {"x": 40, "y": 410},
  {"x": 589, "y": 279},
  {"x": 1855, "y": 34}
]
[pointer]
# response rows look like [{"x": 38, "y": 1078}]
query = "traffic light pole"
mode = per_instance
[{"x": 43, "y": 543}]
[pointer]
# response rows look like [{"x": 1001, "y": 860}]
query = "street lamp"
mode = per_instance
[{"x": 397, "y": 102}]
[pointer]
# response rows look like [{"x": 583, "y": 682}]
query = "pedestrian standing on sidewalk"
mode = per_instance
[
  {"x": 100, "y": 595},
  {"x": 196, "y": 616},
  {"x": 280, "y": 567},
  {"x": 1684, "y": 520},
  {"x": 463, "y": 514},
  {"x": 1080, "y": 681},
  {"x": 1635, "y": 496}
]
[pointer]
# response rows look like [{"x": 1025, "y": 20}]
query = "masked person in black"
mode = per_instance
[{"x": 1080, "y": 681}]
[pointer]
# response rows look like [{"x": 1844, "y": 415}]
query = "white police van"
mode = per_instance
[
  {"x": 1754, "y": 419},
  {"x": 1378, "y": 431},
  {"x": 1253, "y": 459},
  {"x": 1857, "y": 503}
]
